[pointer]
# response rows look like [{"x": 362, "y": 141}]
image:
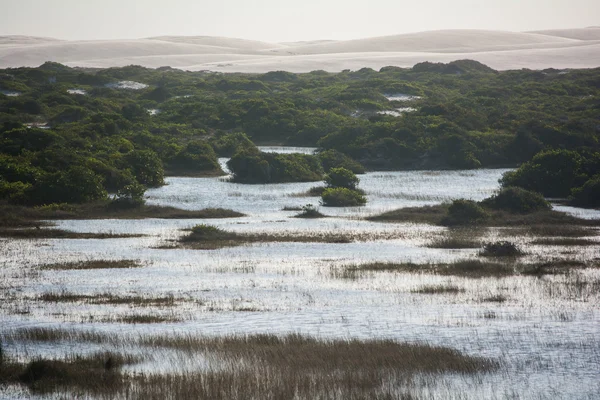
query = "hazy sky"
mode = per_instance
[{"x": 283, "y": 20}]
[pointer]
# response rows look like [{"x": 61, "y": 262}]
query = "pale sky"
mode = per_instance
[{"x": 283, "y": 20}]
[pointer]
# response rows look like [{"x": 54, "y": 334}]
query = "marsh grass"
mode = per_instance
[
  {"x": 565, "y": 242},
  {"x": 207, "y": 237},
  {"x": 93, "y": 264},
  {"x": 97, "y": 373},
  {"x": 19, "y": 216},
  {"x": 109, "y": 299},
  {"x": 439, "y": 289},
  {"x": 454, "y": 243},
  {"x": 540, "y": 223},
  {"x": 470, "y": 268},
  {"x": 142, "y": 319},
  {"x": 273, "y": 367},
  {"x": 44, "y": 233},
  {"x": 315, "y": 191}
]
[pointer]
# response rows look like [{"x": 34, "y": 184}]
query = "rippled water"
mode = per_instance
[{"x": 546, "y": 334}]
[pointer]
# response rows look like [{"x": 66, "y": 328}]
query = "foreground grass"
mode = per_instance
[
  {"x": 253, "y": 367},
  {"x": 18, "y": 216},
  {"x": 96, "y": 374}
]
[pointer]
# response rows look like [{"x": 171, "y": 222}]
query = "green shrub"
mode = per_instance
[
  {"x": 464, "y": 212},
  {"x": 334, "y": 159},
  {"x": 130, "y": 196},
  {"x": 253, "y": 166},
  {"x": 553, "y": 173},
  {"x": 342, "y": 197},
  {"x": 587, "y": 195},
  {"x": 309, "y": 211},
  {"x": 502, "y": 248},
  {"x": 75, "y": 185},
  {"x": 341, "y": 178},
  {"x": 517, "y": 200}
]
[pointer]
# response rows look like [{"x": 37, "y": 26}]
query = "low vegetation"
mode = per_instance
[
  {"x": 469, "y": 268},
  {"x": 98, "y": 374},
  {"x": 511, "y": 207},
  {"x": 207, "y": 237},
  {"x": 310, "y": 211},
  {"x": 255, "y": 366},
  {"x": 44, "y": 233},
  {"x": 253, "y": 166},
  {"x": 93, "y": 264},
  {"x": 502, "y": 248},
  {"x": 341, "y": 189}
]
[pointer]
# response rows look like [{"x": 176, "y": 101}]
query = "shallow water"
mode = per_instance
[{"x": 546, "y": 333}]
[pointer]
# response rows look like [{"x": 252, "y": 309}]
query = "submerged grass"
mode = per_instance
[
  {"x": 108, "y": 299},
  {"x": 471, "y": 268},
  {"x": 439, "y": 289},
  {"x": 267, "y": 367},
  {"x": 94, "y": 264},
  {"x": 565, "y": 242}
]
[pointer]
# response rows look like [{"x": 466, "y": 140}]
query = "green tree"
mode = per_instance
[
  {"x": 146, "y": 166},
  {"x": 341, "y": 178}
]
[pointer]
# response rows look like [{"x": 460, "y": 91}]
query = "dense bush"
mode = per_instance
[
  {"x": 226, "y": 145},
  {"x": 588, "y": 195},
  {"x": 342, "y": 197},
  {"x": 253, "y": 166},
  {"x": 196, "y": 156},
  {"x": 517, "y": 200},
  {"x": 553, "y": 173},
  {"x": 146, "y": 166},
  {"x": 130, "y": 196},
  {"x": 467, "y": 115},
  {"x": 464, "y": 212},
  {"x": 341, "y": 178},
  {"x": 334, "y": 159},
  {"x": 75, "y": 185}
]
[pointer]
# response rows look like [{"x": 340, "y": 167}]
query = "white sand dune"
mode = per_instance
[
  {"x": 592, "y": 33},
  {"x": 232, "y": 43},
  {"x": 566, "y": 48}
]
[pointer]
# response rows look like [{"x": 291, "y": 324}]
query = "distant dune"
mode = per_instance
[{"x": 560, "y": 48}]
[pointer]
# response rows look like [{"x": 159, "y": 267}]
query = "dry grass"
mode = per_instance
[
  {"x": 94, "y": 264},
  {"x": 265, "y": 367}
]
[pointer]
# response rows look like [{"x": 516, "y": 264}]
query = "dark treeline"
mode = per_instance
[{"x": 57, "y": 145}]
